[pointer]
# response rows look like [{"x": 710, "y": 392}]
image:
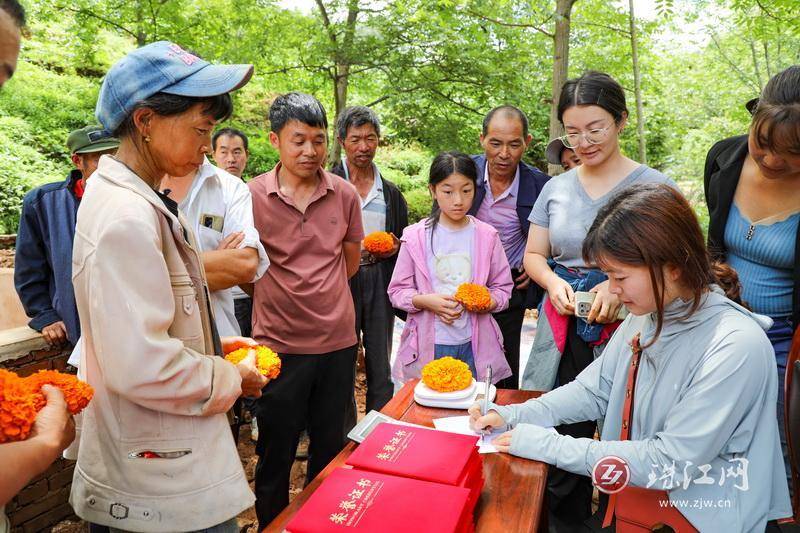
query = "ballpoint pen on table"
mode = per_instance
[{"x": 485, "y": 407}]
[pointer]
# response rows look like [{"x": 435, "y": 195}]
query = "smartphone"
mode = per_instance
[{"x": 584, "y": 301}]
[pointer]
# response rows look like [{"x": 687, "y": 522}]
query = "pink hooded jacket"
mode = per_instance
[{"x": 411, "y": 277}]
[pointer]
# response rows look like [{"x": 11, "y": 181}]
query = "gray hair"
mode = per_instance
[{"x": 356, "y": 116}]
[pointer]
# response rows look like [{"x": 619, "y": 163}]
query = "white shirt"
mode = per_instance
[
  {"x": 217, "y": 205},
  {"x": 373, "y": 207}
]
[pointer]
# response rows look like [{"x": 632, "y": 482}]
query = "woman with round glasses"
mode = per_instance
[{"x": 593, "y": 112}]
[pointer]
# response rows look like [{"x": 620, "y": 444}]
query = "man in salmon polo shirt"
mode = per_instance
[{"x": 310, "y": 224}]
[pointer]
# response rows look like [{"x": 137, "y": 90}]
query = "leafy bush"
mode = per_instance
[
  {"x": 419, "y": 204},
  {"x": 263, "y": 157},
  {"x": 21, "y": 169},
  {"x": 411, "y": 160},
  {"x": 53, "y": 105}
]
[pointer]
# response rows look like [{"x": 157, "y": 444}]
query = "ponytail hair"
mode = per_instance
[{"x": 654, "y": 226}]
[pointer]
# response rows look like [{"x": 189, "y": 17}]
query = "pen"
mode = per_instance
[{"x": 485, "y": 407}]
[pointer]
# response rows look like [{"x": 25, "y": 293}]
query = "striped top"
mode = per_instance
[{"x": 763, "y": 255}]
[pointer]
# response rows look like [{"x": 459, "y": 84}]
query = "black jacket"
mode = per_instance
[
  {"x": 721, "y": 177},
  {"x": 396, "y": 221},
  {"x": 531, "y": 182}
]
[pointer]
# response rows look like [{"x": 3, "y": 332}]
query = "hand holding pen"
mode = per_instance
[{"x": 481, "y": 419}]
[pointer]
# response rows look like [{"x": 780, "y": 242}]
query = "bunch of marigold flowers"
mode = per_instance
[
  {"x": 473, "y": 297},
  {"x": 379, "y": 242},
  {"x": 447, "y": 374},
  {"x": 21, "y": 399},
  {"x": 267, "y": 361}
]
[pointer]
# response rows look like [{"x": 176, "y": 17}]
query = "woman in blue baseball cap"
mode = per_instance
[{"x": 156, "y": 451}]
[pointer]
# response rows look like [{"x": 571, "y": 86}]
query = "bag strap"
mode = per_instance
[{"x": 627, "y": 414}]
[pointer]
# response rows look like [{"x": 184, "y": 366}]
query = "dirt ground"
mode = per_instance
[
  {"x": 6, "y": 258},
  {"x": 247, "y": 520}
]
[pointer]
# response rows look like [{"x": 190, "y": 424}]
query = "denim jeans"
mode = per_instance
[
  {"x": 780, "y": 335},
  {"x": 462, "y": 352},
  {"x": 229, "y": 526}
]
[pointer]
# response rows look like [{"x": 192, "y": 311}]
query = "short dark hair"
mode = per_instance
[
  {"x": 776, "y": 117},
  {"x": 444, "y": 165},
  {"x": 296, "y": 106},
  {"x": 220, "y": 107},
  {"x": 354, "y": 117},
  {"x": 229, "y": 132},
  {"x": 508, "y": 111},
  {"x": 593, "y": 88},
  {"x": 15, "y": 11}
]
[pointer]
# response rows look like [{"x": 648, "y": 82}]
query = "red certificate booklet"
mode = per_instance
[
  {"x": 358, "y": 501},
  {"x": 420, "y": 453}
]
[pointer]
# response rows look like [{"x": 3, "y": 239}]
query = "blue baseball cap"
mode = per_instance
[{"x": 162, "y": 67}]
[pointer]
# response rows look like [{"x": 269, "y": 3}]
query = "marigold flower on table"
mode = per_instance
[
  {"x": 267, "y": 361},
  {"x": 447, "y": 374},
  {"x": 474, "y": 297},
  {"x": 379, "y": 242},
  {"x": 21, "y": 399}
]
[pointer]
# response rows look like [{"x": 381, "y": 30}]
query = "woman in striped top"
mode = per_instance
[{"x": 752, "y": 187}]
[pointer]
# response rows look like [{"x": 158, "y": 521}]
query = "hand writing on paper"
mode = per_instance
[{"x": 483, "y": 423}]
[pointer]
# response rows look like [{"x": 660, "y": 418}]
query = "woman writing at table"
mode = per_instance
[
  {"x": 703, "y": 391},
  {"x": 752, "y": 187}
]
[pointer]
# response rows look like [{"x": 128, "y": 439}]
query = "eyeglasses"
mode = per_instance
[{"x": 596, "y": 136}]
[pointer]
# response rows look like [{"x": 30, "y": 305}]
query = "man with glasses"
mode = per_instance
[{"x": 504, "y": 198}]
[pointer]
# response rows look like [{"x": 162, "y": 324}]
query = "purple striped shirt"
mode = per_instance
[{"x": 501, "y": 213}]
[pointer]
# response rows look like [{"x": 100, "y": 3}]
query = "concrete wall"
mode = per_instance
[{"x": 12, "y": 315}]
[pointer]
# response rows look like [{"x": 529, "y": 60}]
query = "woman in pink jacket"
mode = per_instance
[{"x": 437, "y": 255}]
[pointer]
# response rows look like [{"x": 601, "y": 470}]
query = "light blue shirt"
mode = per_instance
[
  {"x": 764, "y": 261},
  {"x": 704, "y": 402},
  {"x": 373, "y": 207}
]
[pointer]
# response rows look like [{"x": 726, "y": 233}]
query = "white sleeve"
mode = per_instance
[{"x": 239, "y": 217}]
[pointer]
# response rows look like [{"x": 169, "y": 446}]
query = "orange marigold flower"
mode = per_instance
[
  {"x": 473, "y": 297},
  {"x": 21, "y": 399},
  {"x": 447, "y": 374},
  {"x": 267, "y": 361},
  {"x": 379, "y": 242}
]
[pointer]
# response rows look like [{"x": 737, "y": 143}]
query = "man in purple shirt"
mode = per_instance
[{"x": 504, "y": 198}]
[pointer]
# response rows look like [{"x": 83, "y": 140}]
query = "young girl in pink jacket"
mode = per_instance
[{"x": 437, "y": 255}]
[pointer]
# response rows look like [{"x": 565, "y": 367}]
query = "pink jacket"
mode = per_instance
[{"x": 411, "y": 277}]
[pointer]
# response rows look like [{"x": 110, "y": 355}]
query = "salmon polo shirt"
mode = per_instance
[{"x": 302, "y": 304}]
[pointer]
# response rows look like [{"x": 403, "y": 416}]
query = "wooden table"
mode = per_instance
[{"x": 513, "y": 493}]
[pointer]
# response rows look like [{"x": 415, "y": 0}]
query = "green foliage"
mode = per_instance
[
  {"x": 419, "y": 204},
  {"x": 430, "y": 68},
  {"x": 22, "y": 168}
]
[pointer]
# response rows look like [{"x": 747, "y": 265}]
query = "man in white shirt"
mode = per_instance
[
  {"x": 230, "y": 151},
  {"x": 218, "y": 206}
]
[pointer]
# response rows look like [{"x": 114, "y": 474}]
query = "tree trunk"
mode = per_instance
[
  {"x": 756, "y": 68},
  {"x": 341, "y": 81},
  {"x": 637, "y": 83},
  {"x": 141, "y": 34},
  {"x": 340, "y": 85},
  {"x": 560, "y": 68}
]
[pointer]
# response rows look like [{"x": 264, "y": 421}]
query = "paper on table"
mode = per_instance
[{"x": 460, "y": 424}]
